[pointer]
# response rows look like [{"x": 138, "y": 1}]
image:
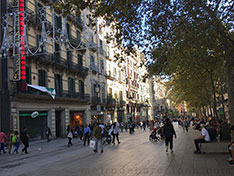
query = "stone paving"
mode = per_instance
[{"x": 135, "y": 156}]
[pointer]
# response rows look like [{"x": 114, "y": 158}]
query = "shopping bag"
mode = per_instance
[{"x": 92, "y": 144}]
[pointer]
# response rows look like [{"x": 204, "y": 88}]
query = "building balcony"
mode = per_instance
[
  {"x": 122, "y": 103},
  {"x": 23, "y": 92},
  {"x": 95, "y": 100},
  {"x": 109, "y": 75},
  {"x": 92, "y": 46},
  {"x": 111, "y": 101},
  {"x": 56, "y": 61},
  {"x": 94, "y": 68}
]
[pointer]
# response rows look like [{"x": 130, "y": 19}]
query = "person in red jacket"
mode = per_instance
[{"x": 2, "y": 141}]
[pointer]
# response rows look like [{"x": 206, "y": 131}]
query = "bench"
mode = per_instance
[{"x": 215, "y": 147}]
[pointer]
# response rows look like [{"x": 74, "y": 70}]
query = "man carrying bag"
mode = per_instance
[{"x": 98, "y": 138}]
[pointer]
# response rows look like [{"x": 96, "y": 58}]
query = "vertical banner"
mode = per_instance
[{"x": 22, "y": 41}]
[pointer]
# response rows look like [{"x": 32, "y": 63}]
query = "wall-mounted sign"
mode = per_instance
[{"x": 34, "y": 114}]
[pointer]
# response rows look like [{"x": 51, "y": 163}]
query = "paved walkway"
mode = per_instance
[{"x": 134, "y": 156}]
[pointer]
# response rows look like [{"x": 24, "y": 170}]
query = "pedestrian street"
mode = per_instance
[{"x": 135, "y": 155}]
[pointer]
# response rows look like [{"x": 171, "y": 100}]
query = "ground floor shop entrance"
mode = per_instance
[{"x": 35, "y": 122}]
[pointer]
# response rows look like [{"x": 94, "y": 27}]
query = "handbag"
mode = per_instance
[
  {"x": 92, "y": 144},
  {"x": 70, "y": 135}
]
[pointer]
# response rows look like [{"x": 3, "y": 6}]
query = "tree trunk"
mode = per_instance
[
  {"x": 230, "y": 86},
  {"x": 222, "y": 93},
  {"x": 214, "y": 96}
]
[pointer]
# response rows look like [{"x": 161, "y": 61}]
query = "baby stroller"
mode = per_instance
[
  {"x": 107, "y": 137},
  {"x": 156, "y": 134}
]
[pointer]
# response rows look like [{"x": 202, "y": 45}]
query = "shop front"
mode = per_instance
[
  {"x": 35, "y": 122},
  {"x": 76, "y": 119}
]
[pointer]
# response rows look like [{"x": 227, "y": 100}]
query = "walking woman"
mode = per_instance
[
  {"x": 168, "y": 131},
  {"x": 69, "y": 135},
  {"x": 115, "y": 129},
  {"x": 15, "y": 141}
]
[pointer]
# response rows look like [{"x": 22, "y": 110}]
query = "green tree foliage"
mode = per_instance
[{"x": 188, "y": 38}]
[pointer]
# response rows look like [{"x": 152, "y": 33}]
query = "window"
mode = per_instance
[
  {"x": 42, "y": 47},
  {"x": 92, "y": 61},
  {"x": 120, "y": 77},
  {"x": 120, "y": 95},
  {"x": 78, "y": 36},
  {"x": 28, "y": 75},
  {"x": 101, "y": 47},
  {"x": 58, "y": 84},
  {"x": 81, "y": 88},
  {"x": 102, "y": 67},
  {"x": 91, "y": 37},
  {"x": 103, "y": 94},
  {"x": 42, "y": 78},
  {"x": 68, "y": 30},
  {"x": 58, "y": 22},
  {"x": 39, "y": 11},
  {"x": 57, "y": 52},
  {"x": 80, "y": 60},
  {"x": 71, "y": 85},
  {"x": 69, "y": 56}
]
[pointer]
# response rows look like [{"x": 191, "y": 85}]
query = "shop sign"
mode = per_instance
[
  {"x": 98, "y": 108},
  {"x": 34, "y": 114}
]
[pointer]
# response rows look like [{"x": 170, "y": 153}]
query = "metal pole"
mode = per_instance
[{"x": 4, "y": 92}]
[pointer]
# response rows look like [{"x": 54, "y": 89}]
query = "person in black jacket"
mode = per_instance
[
  {"x": 24, "y": 137},
  {"x": 168, "y": 131}
]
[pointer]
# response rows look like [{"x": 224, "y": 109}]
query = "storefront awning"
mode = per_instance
[{"x": 50, "y": 91}]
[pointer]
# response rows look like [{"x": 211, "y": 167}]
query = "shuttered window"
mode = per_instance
[
  {"x": 42, "y": 80},
  {"x": 71, "y": 85}
]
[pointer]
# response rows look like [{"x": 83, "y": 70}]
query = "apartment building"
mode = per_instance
[
  {"x": 68, "y": 74},
  {"x": 55, "y": 90}
]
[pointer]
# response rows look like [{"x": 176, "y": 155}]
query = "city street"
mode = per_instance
[{"x": 136, "y": 155}]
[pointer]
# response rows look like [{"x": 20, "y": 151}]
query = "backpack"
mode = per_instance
[
  {"x": 14, "y": 139},
  {"x": 212, "y": 133}
]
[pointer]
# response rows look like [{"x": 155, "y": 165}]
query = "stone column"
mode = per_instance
[
  {"x": 52, "y": 122},
  {"x": 88, "y": 116}
]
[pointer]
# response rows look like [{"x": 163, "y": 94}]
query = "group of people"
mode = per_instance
[
  {"x": 211, "y": 131},
  {"x": 14, "y": 139},
  {"x": 99, "y": 133}
]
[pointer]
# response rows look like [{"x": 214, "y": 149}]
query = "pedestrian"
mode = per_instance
[
  {"x": 144, "y": 125},
  {"x": 87, "y": 133},
  {"x": 97, "y": 134},
  {"x": 69, "y": 136},
  {"x": 115, "y": 129},
  {"x": 130, "y": 128},
  {"x": 168, "y": 131},
  {"x": 205, "y": 138},
  {"x": 16, "y": 141},
  {"x": 2, "y": 141},
  {"x": 186, "y": 123},
  {"x": 48, "y": 134},
  {"x": 9, "y": 141},
  {"x": 24, "y": 137}
]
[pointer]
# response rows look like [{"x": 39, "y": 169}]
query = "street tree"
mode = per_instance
[{"x": 165, "y": 25}]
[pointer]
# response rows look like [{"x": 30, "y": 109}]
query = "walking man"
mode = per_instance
[
  {"x": 24, "y": 137},
  {"x": 48, "y": 134},
  {"x": 97, "y": 133},
  {"x": 87, "y": 133}
]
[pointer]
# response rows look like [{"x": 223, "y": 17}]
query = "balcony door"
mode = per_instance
[{"x": 58, "y": 84}]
